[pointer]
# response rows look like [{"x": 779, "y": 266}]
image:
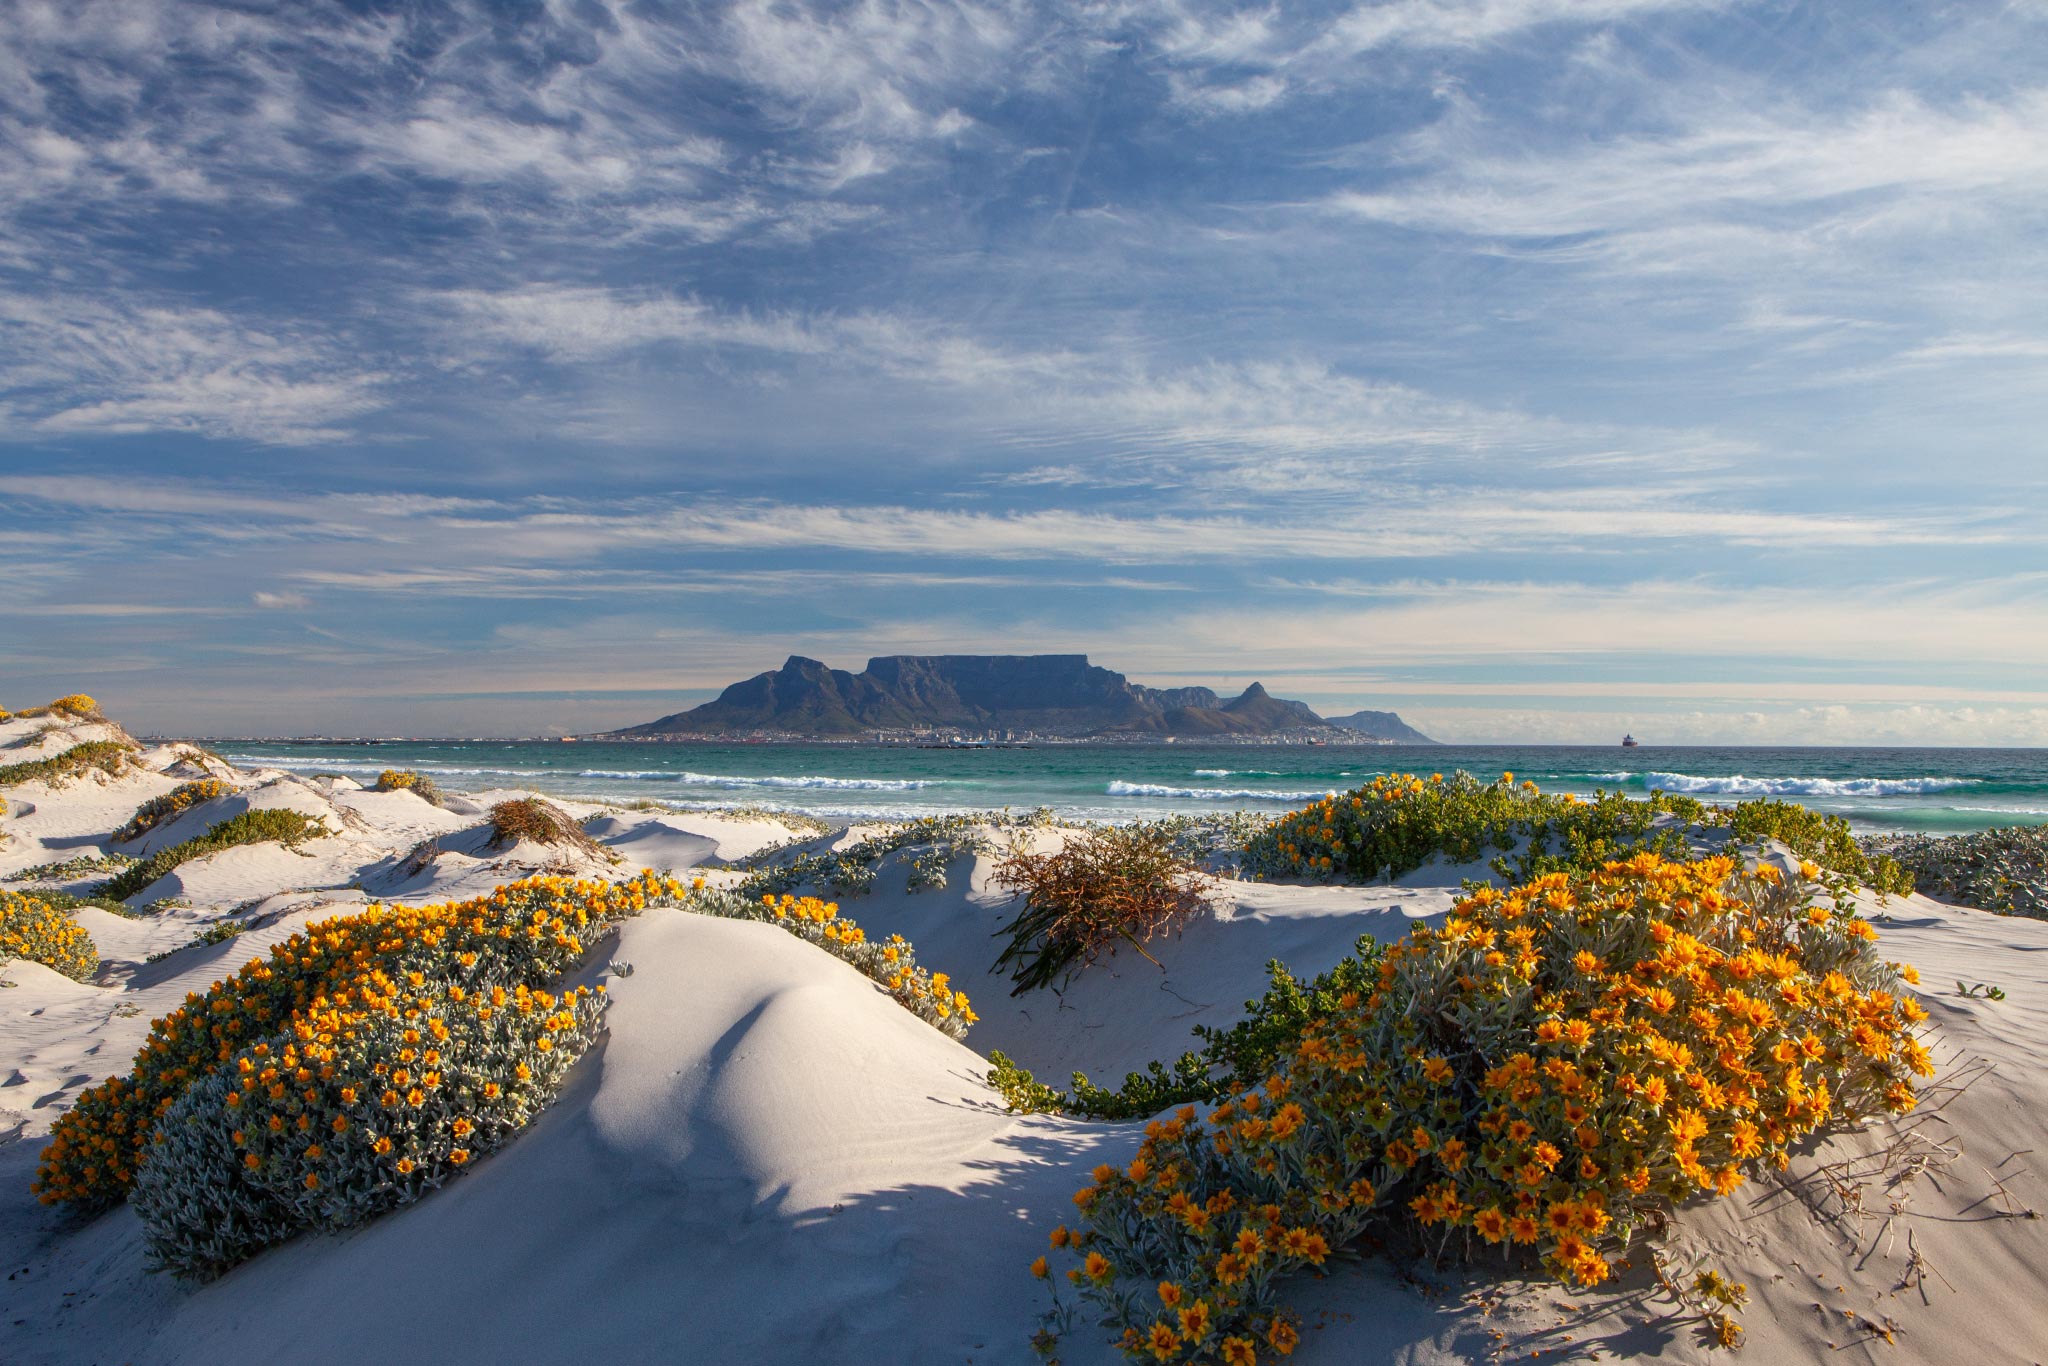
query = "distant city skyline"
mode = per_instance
[{"x": 1540, "y": 372}]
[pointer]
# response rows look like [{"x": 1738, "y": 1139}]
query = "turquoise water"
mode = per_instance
[{"x": 1939, "y": 790}]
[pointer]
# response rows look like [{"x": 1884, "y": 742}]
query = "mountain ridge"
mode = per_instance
[{"x": 1053, "y": 695}]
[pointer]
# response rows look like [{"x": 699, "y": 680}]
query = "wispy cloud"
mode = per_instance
[{"x": 85, "y": 365}]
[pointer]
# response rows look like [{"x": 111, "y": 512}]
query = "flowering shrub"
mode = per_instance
[
  {"x": 76, "y": 704},
  {"x": 1543, "y": 1075},
  {"x": 1395, "y": 824},
  {"x": 171, "y": 805},
  {"x": 891, "y": 962},
  {"x": 405, "y": 780},
  {"x": 105, "y": 756},
  {"x": 33, "y": 929},
  {"x": 1107, "y": 884},
  {"x": 249, "y": 827},
  {"x": 323, "y": 997}
]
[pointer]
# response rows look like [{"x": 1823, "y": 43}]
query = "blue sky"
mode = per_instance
[{"x": 1538, "y": 368}]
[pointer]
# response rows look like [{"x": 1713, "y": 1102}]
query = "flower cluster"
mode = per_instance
[
  {"x": 342, "y": 985},
  {"x": 171, "y": 805},
  {"x": 32, "y": 929},
  {"x": 1552, "y": 1067},
  {"x": 891, "y": 962}
]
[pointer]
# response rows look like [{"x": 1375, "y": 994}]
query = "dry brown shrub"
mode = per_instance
[
  {"x": 1109, "y": 885},
  {"x": 530, "y": 818}
]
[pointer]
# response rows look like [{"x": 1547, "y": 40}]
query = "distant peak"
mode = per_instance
[{"x": 1255, "y": 690}]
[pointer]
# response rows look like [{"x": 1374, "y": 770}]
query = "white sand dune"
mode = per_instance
[{"x": 768, "y": 1161}]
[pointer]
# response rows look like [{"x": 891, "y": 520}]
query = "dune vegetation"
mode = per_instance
[
  {"x": 281, "y": 824},
  {"x": 1536, "y": 1081},
  {"x": 32, "y": 929},
  {"x": 1395, "y": 824},
  {"x": 99, "y": 756},
  {"x": 2004, "y": 870},
  {"x": 406, "y": 780},
  {"x": 170, "y": 806}
]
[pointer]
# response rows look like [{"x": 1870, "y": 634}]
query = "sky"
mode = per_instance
[{"x": 1540, "y": 369}]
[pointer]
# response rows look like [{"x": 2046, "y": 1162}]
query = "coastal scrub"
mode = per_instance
[
  {"x": 2004, "y": 871},
  {"x": 1536, "y": 1081},
  {"x": 406, "y": 780},
  {"x": 171, "y": 805},
  {"x": 367, "y": 1059},
  {"x": 250, "y": 827},
  {"x": 1395, "y": 824},
  {"x": 94, "y": 756}
]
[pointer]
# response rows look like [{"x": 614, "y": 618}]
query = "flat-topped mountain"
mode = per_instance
[{"x": 1060, "y": 695}]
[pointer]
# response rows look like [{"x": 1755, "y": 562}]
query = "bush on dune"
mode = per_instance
[
  {"x": 2004, "y": 871},
  {"x": 1107, "y": 886},
  {"x": 102, "y": 756},
  {"x": 250, "y": 827},
  {"x": 369, "y": 1058},
  {"x": 405, "y": 780},
  {"x": 1396, "y": 824},
  {"x": 171, "y": 805},
  {"x": 33, "y": 929},
  {"x": 1539, "y": 1079},
  {"x": 77, "y": 706},
  {"x": 534, "y": 821}
]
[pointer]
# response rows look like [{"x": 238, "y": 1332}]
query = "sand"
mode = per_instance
[{"x": 768, "y": 1161}]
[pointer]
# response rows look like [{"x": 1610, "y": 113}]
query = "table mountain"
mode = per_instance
[{"x": 1050, "y": 694}]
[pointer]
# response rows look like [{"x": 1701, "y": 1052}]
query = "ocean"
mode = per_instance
[{"x": 1935, "y": 790}]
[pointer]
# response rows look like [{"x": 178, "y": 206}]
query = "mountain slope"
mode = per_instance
[{"x": 1381, "y": 725}]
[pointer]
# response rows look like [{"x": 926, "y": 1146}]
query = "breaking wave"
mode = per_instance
[
  {"x": 811, "y": 782},
  {"x": 1120, "y": 788},
  {"x": 1736, "y": 785}
]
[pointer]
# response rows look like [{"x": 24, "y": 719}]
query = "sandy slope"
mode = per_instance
[{"x": 768, "y": 1161}]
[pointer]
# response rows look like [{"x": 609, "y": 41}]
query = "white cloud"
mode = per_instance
[{"x": 280, "y": 600}]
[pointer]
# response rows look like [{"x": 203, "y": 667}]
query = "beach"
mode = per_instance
[{"x": 766, "y": 1159}]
